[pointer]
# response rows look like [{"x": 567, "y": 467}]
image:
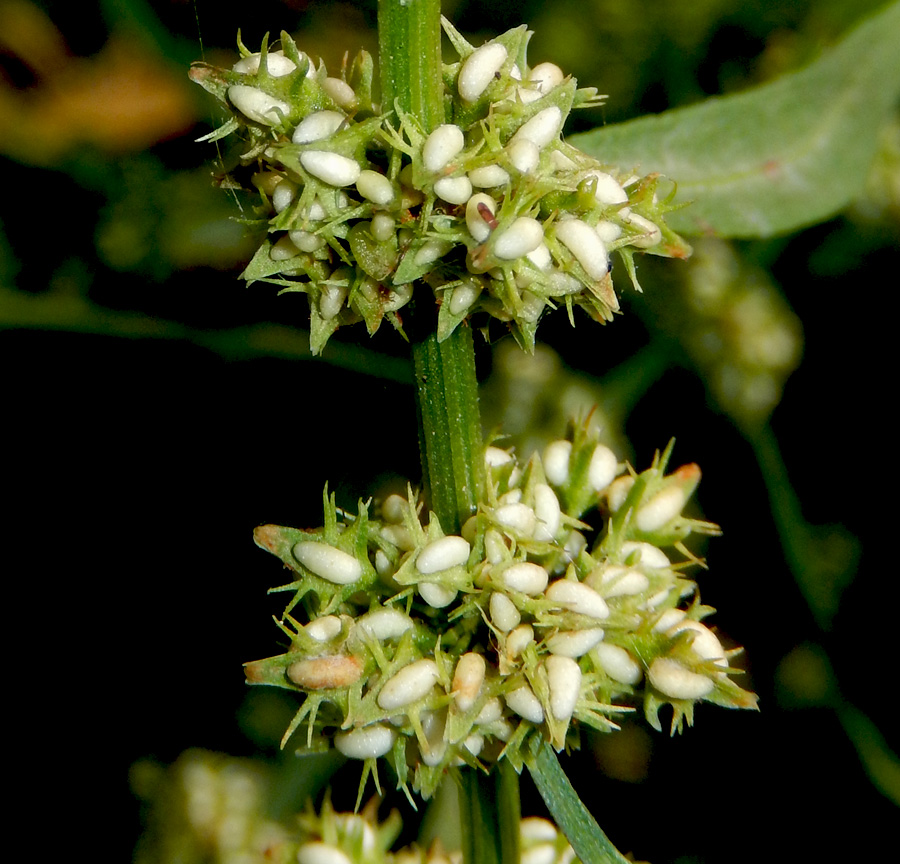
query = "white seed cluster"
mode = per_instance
[
  {"x": 435, "y": 649},
  {"x": 491, "y": 210}
]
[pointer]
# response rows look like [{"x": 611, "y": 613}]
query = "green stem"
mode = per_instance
[{"x": 490, "y": 813}]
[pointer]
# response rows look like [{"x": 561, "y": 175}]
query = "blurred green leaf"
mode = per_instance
[{"x": 775, "y": 158}]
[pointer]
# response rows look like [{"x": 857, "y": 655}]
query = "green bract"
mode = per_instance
[{"x": 492, "y": 210}]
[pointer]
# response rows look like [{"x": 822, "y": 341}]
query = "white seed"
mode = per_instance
[
  {"x": 518, "y": 640},
  {"x": 522, "y": 237},
  {"x": 575, "y": 643},
  {"x": 618, "y": 491},
  {"x": 332, "y": 298},
  {"x": 578, "y": 597},
  {"x": 560, "y": 162},
  {"x": 324, "y": 628},
  {"x": 321, "y": 853},
  {"x": 432, "y": 250},
  {"x": 494, "y": 457},
  {"x": 340, "y": 91},
  {"x": 525, "y": 576},
  {"x": 328, "y": 672},
  {"x": 276, "y": 63},
  {"x": 433, "y": 725},
  {"x": 317, "y": 126},
  {"x": 369, "y": 742},
  {"x": 283, "y": 249},
  {"x": 705, "y": 644},
  {"x": 451, "y": 551},
  {"x": 542, "y": 128},
  {"x": 400, "y": 536},
  {"x": 354, "y": 825},
  {"x": 394, "y": 509},
  {"x": 474, "y": 743},
  {"x": 436, "y": 596},
  {"x": 409, "y": 685},
  {"x": 547, "y": 511},
  {"x": 542, "y": 853},
  {"x": 618, "y": 664},
  {"x": 479, "y": 68},
  {"x": 564, "y": 677},
  {"x": 514, "y": 496},
  {"x": 608, "y": 231},
  {"x": 535, "y": 829},
  {"x": 257, "y": 105},
  {"x": 331, "y": 168},
  {"x": 669, "y": 619},
  {"x": 467, "y": 680},
  {"x": 518, "y": 518},
  {"x": 504, "y": 613},
  {"x": 383, "y": 564},
  {"x": 527, "y": 95},
  {"x": 619, "y": 581},
  {"x": 283, "y": 195},
  {"x": 489, "y": 176},
  {"x": 478, "y": 228},
  {"x": 524, "y": 155},
  {"x": 540, "y": 257},
  {"x": 331, "y": 564},
  {"x": 649, "y": 556},
  {"x": 441, "y": 146},
  {"x": 583, "y": 242},
  {"x": 673, "y": 680},
  {"x": 661, "y": 509},
  {"x": 574, "y": 544},
  {"x": 491, "y": 712},
  {"x": 556, "y": 462},
  {"x": 382, "y": 227},
  {"x": 495, "y": 549},
  {"x": 454, "y": 190},
  {"x": 608, "y": 190},
  {"x": 385, "y": 623},
  {"x": 651, "y": 236},
  {"x": 308, "y": 242},
  {"x": 603, "y": 467},
  {"x": 524, "y": 703},
  {"x": 375, "y": 187},
  {"x": 546, "y": 76}
]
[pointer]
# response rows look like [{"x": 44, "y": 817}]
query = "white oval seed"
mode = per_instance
[
  {"x": 619, "y": 581},
  {"x": 536, "y": 829},
  {"x": 618, "y": 491},
  {"x": 276, "y": 63},
  {"x": 491, "y": 712},
  {"x": 603, "y": 467},
  {"x": 369, "y": 742},
  {"x": 308, "y": 242},
  {"x": 583, "y": 242},
  {"x": 542, "y": 128},
  {"x": 494, "y": 457},
  {"x": 475, "y": 222},
  {"x": 518, "y": 518},
  {"x": 705, "y": 644},
  {"x": 669, "y": 619},
  {"x": 283, "y": 249},
  {"x": 375, "y": 187},
  {"x": 441, "y": 146},
  {"x": 316, "y": 126},
  {"x": 409, "y": 685},
  {"x": 651, "y": 236},
  {"x": 467, "y": 680},
  {"x": 607, "y": 231},
  {"x": 257, "y": 105},
  {"x": 331, "y": 564},
  {"x": 432, "y": 250},
  {"x": 436, "y": 596},
  {"x": 433, "y": 725},
  {"x": 578, "y": 597},
  {"x": 542, "y": 853},
  {"x": 321, "y": 853},
  {"x": 673, "y": 680},
  {"x": 331, "y": 168},
  {"x": 564, "y": 676},
  {"x": 661, "y": 509},
  {"x": 527, "y": 577},
  {"x": 332, "y": 298},
  {"x": 489, "y": 176},
  {"x": 504, "y": 613},
  {"x": 540, "y": 257},
  {"x": 556, "y": 462},
  {"x": 382, "y": 227},
  {"x": 384, "y": 624},
  {"x": 283, "y": 195},
  {"x": 524, "y": 155},
  {"x": 522, "y": 237},
  {"x": 649, "y": 556},
  {"x": 518, "y": 640},
  {"x": 324, "y": 628},
  {"x": 575, "y": 643},
  {"x": 618, "y": 664},
  {"x": 451, "y": 551},
  {"x": 454, "y": 190},
  {"x": 524, "y": 703},
  {"x": 547, "y": 511},
  {"x": 546, "y": 76},
  {"x": 479, "y": 68},
  {"x": 340, "y": 91},
  {"x": 608, "y": 190}
]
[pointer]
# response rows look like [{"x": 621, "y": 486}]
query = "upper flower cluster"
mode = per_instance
[
  {"x": 436, "y": 649},
  {"x": 491, "y": 209}
]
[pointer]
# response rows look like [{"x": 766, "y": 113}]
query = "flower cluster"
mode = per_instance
[
  {"x": 556, "y": 606},
  {"x": 491, "y": 210}
]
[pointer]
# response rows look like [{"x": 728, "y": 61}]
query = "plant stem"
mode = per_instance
[{"x": 490, "y": 814}]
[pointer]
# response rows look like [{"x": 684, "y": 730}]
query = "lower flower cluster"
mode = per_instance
[{"x": 558, "y": 605}]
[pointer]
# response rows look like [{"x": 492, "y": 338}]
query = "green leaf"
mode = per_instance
[
  {"x": 777, "y": 157},
  {"x": 591, "y": 845},
  {"x": 490, "y": 815}
]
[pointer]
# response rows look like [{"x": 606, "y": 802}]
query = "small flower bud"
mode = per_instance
[
  {"x": 277, "y": 64},
  {"x": 307, "y": 242},
  {"x": 433, "y": 725},
  {"x": 651, "y": 236},
  {"x": 618, "y": 491},
  {"x": 607, "y": 231},
  {"x": 518, "y": 640},
  {"x": 385, "y": 623},
  {"x": 453, "y": 190},
  {"x": 331, "y": 564},
  {"x": 668, "y": 620},
  {"x": 283, "y": 195},
  {"x": 257, "y": 105},
  {"x": 318, "y": 126},
  {"x": 542, "y": 128},
  {"x": 467, "y": 680},
  {"x": 332, "y": 298},
  {"x": 375, "y": 187},
  {"x": 436, "y": 596},
  {"x": 603, "y": 468},
  {"x": 618, "y": 581},
  {"x": 283, "y": 249},
  {"x": 442, "y": 554},
  {"x": 489, "y": 176},
  {"x": 564, "y": 677},
  {"x": 524, "y": 703},
  {"x": 575, "y": 643},
  {"x": 675, "y": 681},
  {"x": 547, "y": 511},
  {"x": 382, "y": 227},
  {"x": 478, "y": 70},
  {"x": 324, "y": 628},
  {"x": 556, "y": 462},
  {"x": 525, "y": 576},
  {"x": 321, "y": 853},
  {"x": 523, "y": 236},
  {"x": 608, "y": 190},
  {"x": 408, "y": 685},
  {"x": 368, "y": 742},
  {"x": 475, "y": 221},
  {"x": 705, "y": 643},
  {"x": 618, "y": 664},
  {"x": 331, "y": 168},
  {"x": 494, "y": 457},
  {"x": 491, "y": 712},
  {"x": 661, "y": 509},
  {"x": 441, "y": 146},
  {"x": 583, "y": 242},
  {"x": 340, "y": 91},
  {"x": 518, "y": 518},
  {"x": 577, "y": 597},
  {"x": 546, "y": 76},
  {"x": 504, "y": 613},
  {"x": 524, "y": 155},
  {"x": 649, "y": 555}
]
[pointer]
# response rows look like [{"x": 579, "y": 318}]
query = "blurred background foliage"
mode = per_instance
[{"x": 157, "y": 410}]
